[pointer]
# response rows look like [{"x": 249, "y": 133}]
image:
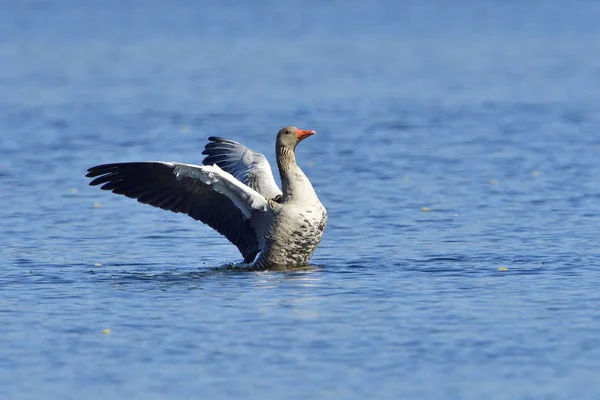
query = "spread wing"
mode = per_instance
[
  {"x": 249, "y": 167},
  {"x": 205, "y": 193}
]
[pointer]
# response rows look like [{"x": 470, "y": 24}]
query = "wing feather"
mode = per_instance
[
  {"x": 205, "y": 193},
  {"x": 249, "y": 167}
]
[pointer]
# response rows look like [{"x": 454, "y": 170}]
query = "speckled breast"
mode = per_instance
[{"x": 294, "y": 237}]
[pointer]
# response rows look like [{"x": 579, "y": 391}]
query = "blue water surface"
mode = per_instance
[{"x": 458, "y": 154}]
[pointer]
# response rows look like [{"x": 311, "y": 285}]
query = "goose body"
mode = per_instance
[{"x": 235, "y": 193}]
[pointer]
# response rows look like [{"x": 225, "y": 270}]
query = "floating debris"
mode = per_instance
[
  {"x": 502, "y": 269},
  {"x": 494, "y": 182},
  {"x": 97, "y": 265},
  {"x": 425, "y": 209},
  {"x": 74, "y": 191},
  {"x": 105, "y": 331},
  {"x": 97, "y": 205},
  {"x": 535, "y": 173}
]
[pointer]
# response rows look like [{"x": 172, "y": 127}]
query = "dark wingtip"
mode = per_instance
[
  {"x": 95, "y": 171},
  {"x": 100, "y": 171},
  {"x": 213, "y": 144},
  {"x": 218, "y": 139},
  {"x": 99, "y": 178}
]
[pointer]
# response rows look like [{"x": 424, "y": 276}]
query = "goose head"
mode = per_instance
[{"x": 290, "y": 136}]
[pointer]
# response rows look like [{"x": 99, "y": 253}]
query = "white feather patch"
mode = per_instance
[{"x": 244, "y": 198}]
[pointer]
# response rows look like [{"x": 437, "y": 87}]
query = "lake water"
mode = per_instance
[{"x": 457, "y": 151}]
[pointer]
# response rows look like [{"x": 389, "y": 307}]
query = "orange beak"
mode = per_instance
[{"x": 302, "y": 134}]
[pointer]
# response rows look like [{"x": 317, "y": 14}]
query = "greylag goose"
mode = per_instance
[{"x": 234, "y": 192}]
